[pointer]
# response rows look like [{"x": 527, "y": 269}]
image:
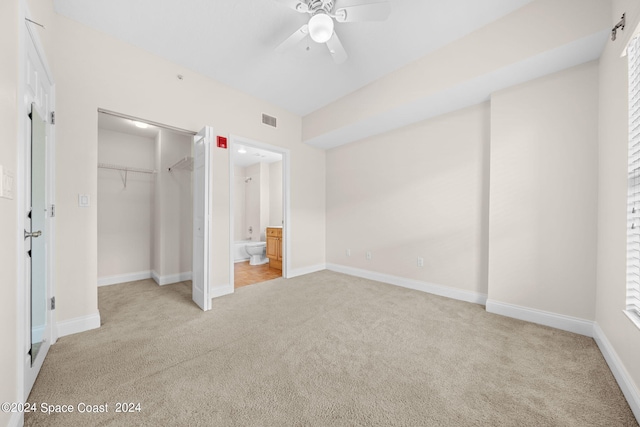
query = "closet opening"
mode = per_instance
[
  {"x": 258, "y": 212},
  {"x": 145, "y": 203}
]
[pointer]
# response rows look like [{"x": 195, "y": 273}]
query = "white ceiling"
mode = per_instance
[
  {"x": 234, "y": 41},
  {"x": 122, "y": 125},
  {"x": 254, "y": 155}
]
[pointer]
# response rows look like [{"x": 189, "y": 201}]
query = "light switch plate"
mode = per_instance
[
  {"x": 6, "y": 183},
  {"x": 84, "y": 200}
]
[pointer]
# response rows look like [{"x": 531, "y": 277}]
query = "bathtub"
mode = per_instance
[{"x": 239, "y": 254}]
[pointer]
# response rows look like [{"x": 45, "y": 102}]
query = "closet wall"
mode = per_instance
[
  {"x": 124, "y": 225},
  {"x": 145, "y": 228},
  {"x": 173, "y": 206}
]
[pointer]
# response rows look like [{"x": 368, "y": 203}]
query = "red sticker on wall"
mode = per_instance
[{"x": 222, "y": 142}]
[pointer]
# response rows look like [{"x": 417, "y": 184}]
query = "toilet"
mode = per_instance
[{"x": 257, "y": 251}]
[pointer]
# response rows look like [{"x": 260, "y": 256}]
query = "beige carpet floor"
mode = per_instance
[{"x": 324, "y": 349}]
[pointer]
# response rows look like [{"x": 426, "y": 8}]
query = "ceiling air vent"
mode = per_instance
[{"x": 268, "y": 120}]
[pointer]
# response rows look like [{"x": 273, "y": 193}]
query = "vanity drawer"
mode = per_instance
[{"x": 274, "y": 232}]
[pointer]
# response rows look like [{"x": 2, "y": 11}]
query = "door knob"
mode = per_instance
[{"x": 34, "y": 234}]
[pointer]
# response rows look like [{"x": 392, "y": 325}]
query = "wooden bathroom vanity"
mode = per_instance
[{"x": 274, "y": 247}]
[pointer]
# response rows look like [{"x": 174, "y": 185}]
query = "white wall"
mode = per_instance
[
  {"x": 623, "y": 336},
  {"x": 173, "y": 207},
  {"x": 258, "y": 202},
  {"x": 147, "y": 226},
  {"x": 156, "y": 217},
  {"x": 543, "y": 198},
  {"x": 124, "y": 214},
  {"x": 239, "y": 186},
  {"x": 264, "y": 200},
  {"x": 252, "y": 202},
  {"x": 8, "y": 208},
  {"x": 275, "y": 193},
  {"x": 417, "y": 191}
]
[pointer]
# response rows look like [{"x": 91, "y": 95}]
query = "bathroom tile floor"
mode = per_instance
[{"x": 245, "y": 274}]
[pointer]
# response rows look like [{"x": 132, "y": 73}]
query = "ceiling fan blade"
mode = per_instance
[
  {"x": 297, "y": 5},
  {"x": 294, "y": 38},
  {"x": 363, "y": 12},
  {"x": 336, "y": 49}
]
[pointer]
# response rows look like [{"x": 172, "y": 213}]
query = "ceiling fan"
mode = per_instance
[{"x": 321, "y": 26}]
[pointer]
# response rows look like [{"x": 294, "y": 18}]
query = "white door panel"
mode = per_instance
[
  {"x": 38, "y": 222},
  {"x": 201, "y": 217}
]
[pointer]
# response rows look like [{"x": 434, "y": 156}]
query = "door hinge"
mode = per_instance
[
  {"x": 53, "y": 303},
  {"x": 53, "y": 117},
  {"x": 53, "y": 211}
]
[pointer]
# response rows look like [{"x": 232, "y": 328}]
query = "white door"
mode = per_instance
[
  {"x": 38, "y": 213},
  {"x": 201, "y": 217}
]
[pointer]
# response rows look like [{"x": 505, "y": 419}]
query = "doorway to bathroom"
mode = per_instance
[{"x": 259, "y": 201}]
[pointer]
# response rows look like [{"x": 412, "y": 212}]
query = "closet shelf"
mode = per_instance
[
  {"x": 125, "y": 169},
  {"x": 183, "y": 163}
]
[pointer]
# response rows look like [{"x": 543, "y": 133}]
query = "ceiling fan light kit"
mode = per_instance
[
  {"x": 320, "y": 27},
  {"x": 321, "y": 24}
]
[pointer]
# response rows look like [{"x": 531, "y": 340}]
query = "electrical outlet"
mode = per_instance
[
  {"x": 348, "y": 252},
  {"x": 420, "y": 261},
  {"x": 369, "y": 255}
]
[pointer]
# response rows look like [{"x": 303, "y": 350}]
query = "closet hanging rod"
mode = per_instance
[
  {"x": 124, "y": 168},
  {"x": 183, "y": 163}
]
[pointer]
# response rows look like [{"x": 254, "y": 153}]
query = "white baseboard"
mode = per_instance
[
  {"x": 620, "y": 373},
  {"x": 78, "y": 324},
  {"x": 170, "y": 278},
  {"x": 124, "y": 278},
  {"x": 295, "y": 272},
  {"x": 546, "y": 318},
  {"x": 219, "y": 291},
  {"x": 445, "y": 291}
]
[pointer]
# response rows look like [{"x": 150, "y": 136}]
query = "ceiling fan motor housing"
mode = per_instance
[{"x": 320, "y": 6}]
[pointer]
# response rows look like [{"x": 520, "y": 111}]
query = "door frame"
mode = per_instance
[
  {"x": 27, "y": 35},
  {"x": 234, "y": 142}
]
